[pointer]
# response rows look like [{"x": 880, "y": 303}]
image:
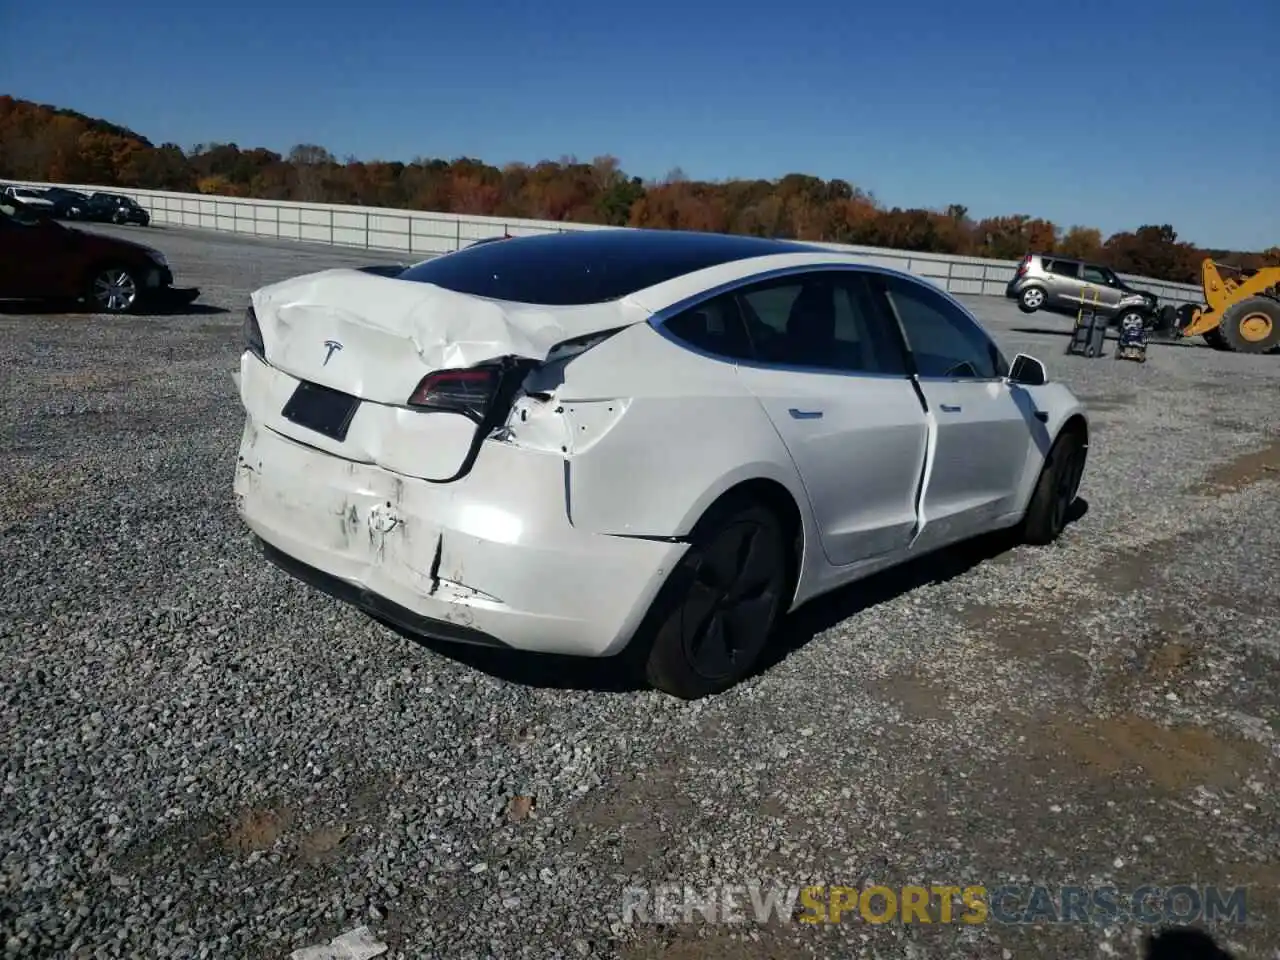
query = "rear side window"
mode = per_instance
[
  {"x": 714, "y": 327},
  {"x": 1063, "y": 268}
]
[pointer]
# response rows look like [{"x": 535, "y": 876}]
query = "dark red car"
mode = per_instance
[{"x": 40, "y": 259}]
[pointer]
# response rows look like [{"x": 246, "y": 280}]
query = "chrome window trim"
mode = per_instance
[{"x": 659, "y": 319}]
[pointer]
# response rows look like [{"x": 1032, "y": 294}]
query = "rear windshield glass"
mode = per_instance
[{"x": 590, "y": 266}]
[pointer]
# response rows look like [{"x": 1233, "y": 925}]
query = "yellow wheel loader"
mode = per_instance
[{"x": 1241, "y": 312}]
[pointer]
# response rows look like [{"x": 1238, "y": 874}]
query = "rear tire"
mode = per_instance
[
  {"x": 1252, "y": 325},
  {"x": 721, "y": 602},
  {"x": 1214, "y": 338},
  {"x": 1056, "y": 490},
  {"x": 1183, "y": 315}
]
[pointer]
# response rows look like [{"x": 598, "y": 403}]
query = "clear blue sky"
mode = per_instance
[{"x": 1076, "y": 111}]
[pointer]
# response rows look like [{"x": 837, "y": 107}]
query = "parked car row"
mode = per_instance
[
  {"x": 63, "y": 204},
  {"x": 42, "y": 259}
]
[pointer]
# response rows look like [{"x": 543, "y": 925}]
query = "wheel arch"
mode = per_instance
[
  {"x": 107, "y": 261},
  {"x": 1078, "y": 423},
  {"x": 781, "y": 501}
]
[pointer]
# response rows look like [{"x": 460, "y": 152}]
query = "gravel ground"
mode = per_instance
[{"x": 204, "y": 758}]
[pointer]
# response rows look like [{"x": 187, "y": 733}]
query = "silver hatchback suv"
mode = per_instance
[{"x": 1064, "y": 285}]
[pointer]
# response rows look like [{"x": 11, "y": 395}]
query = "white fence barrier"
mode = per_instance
[{"x": 420, "y": 234}]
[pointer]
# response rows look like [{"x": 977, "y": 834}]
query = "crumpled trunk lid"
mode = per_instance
[
  {"x": 368, "y": 341},
  {"x": 390, "y": 333}
]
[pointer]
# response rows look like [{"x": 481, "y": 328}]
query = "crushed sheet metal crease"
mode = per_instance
[{"x": 447, "y": 329}]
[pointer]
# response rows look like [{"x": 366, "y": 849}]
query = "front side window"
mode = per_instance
[
  {"x": 1099, "y": 275},
  {"x": 946, "y": 343}
]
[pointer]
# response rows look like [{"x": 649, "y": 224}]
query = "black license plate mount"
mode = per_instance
[{"x": 322, "y": 409}]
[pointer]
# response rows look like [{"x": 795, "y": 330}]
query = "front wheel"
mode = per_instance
[
  {"x": 1056, "y": 490},
  {"x": 722, "y": 603},
  {"x": 113, "y": 290}
]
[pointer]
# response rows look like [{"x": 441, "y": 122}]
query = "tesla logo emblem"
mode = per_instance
[{"x": 331, "y": 347}]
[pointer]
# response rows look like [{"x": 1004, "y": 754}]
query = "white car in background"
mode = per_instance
[
  {"x": 30, "y": 197},
  {"x": 634, "y": 440}
]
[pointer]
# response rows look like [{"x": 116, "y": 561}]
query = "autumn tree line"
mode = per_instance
[{"x": 49, "y": 144}]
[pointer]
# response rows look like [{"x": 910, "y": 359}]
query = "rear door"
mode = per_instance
[
  {"x": 1064, "y": 283},
  {"x": 983, "y": 437},
  {"x": 831, "y": 374}
]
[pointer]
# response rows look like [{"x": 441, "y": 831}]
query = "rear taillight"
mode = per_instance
[
  {"x": 1025, "y": 265},
  {"x": 253, "y": 335},
  {"x": 469, "y": 392}
]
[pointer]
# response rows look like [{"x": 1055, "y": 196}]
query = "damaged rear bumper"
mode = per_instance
[
  {"x": 375, "y": 604},
  {"x": 491, "y": 559}
]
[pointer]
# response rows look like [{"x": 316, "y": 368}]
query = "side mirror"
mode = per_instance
[{"x": 1028, "y": 371}]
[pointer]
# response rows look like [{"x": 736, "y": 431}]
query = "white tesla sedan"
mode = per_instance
[{"x": 648, "y": 441}]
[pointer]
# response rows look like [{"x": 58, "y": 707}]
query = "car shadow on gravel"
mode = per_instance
[
  {"x": 540, "y": 670},
  {"x": 825, "y": 612},
  {"x": 619, "y": 674}
]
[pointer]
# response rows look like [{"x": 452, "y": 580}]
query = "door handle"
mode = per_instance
[
  {"x": 805, "y": 414},
  {"x": 950, "y": 408}
]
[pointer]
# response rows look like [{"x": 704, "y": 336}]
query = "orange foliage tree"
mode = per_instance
[{"x": 48, "y": 144}]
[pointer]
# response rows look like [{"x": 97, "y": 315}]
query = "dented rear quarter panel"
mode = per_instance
[{"x": 690, "y": 432}]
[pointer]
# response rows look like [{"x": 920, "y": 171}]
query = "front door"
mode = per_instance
[
  {"x": 1100, "y": 280},
  {"x": 983, "y": 438}
]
